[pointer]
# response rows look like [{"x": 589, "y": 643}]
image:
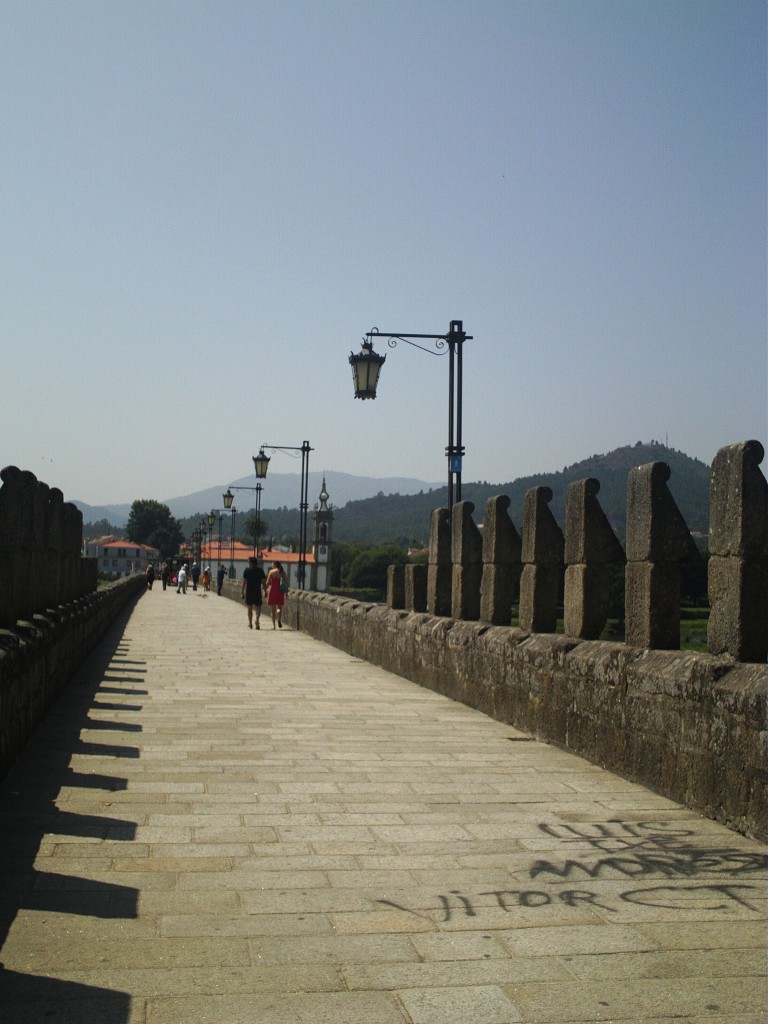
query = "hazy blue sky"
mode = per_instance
[{"x": 206, "y": 204}]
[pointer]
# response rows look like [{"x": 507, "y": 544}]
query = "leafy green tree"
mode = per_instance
[
  {"x": 255, "y": 528},
  {"x": 101, "y": 528},
  {"x": 369, "y": 567},
  {"x": 151, "y": 522},
  {"x": 343, "y": 557}
]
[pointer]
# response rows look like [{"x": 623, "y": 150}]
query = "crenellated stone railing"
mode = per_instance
[
  {"x": 51, "y": 613},
  {"x": 691, "y": 726},
  {"x": 41, "y": 539},
  {"x": 476, "y": 578}
]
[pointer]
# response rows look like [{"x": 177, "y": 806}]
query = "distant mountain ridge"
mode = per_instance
[
  {"x": 372, "y": 510},
  {"x": 280, "y": 490}
]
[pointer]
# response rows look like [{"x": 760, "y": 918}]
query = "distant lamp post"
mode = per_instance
[
  {"x": 259, "y": 489},
  {"x": 228, "y": 498},
  {"x": 211, "y": 517},
  {"x": 260, "y": 464},
  {"x": 218, "y": 514},
  {"x": 260, "y": 467},
  {"x": 366, "y": 367}
]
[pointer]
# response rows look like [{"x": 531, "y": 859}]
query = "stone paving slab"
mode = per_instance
[{"x": 217, "y": 824}]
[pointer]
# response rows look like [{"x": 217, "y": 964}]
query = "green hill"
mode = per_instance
[{"x": 404, "y": 519}]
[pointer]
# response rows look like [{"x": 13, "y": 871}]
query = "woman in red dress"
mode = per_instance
[{"x": 276, "y": 586}]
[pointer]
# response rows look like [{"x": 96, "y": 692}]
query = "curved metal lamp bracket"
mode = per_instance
[{"x": 440, "y": 340}]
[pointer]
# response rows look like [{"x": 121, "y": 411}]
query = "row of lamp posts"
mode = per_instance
[
  {"x": 366, "y": 367},
  {"x": 261, "y": 465}
]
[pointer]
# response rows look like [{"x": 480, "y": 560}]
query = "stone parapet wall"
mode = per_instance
[
  {"x": 41, "y": 539},
  {"x": 690, "y": 726},
  {"x": 39, "y": 656}
]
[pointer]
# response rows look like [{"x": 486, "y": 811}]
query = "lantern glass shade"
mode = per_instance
[
  {"x": 228, "y": 498},
  {"x": 261, "y": 464},
  {"x": 366, "y": 367},
  {"x": 211, "y": 519}
]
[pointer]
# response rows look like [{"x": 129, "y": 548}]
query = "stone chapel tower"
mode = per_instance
[{"x": 322, "y": 541}]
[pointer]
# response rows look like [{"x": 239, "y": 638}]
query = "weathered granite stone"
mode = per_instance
[
  {"x": 502, "y": 563},
  {"x": 542, "y": 554},
  {"x": 738, "y": 545},
  {"x": 416, "y": 588},
  {"x": 658, "y": 540},
  {"x": 54, "y": 528},
  {"x": 396, "y": 586},
  {"x": 40, "y": 543},
  {"x": 591, "y": 547},
  {"x": 17, "y": 497},
  {"x": 586, "y": 600},
  {"x": 467, "y": 563},
  {"x": 72, "y": 538},
  {"x": 9, "y": 511},
  {"x": 439, "y": 567},
  {"x": 38, "y": 563}
]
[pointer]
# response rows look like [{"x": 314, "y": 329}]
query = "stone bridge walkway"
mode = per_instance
[{"x": 229, "y": 826}]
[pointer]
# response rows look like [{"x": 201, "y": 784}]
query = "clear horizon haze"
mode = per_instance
[{"x": 206, "y": 205}]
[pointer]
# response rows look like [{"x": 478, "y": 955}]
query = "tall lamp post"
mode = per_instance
[
  {"x": 203, "y": 531},
  {"x": 228, "y": 498},
  {"x": 259, "y": 489},
  {"x": 211, "y": 517},
  {"x": 217, "y": 513},
  {"x": 257, "y": 532},
  {"x": 261, "y": 464},
  {"x": 366, "y": 367}
]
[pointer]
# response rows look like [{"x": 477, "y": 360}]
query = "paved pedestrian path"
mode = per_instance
[{"x": 230, "y": 826}]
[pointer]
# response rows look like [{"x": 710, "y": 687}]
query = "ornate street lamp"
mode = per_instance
[
  {"x": 203, "y": 531},
  {"x": 228, "y": 498},
  {"x": 366, "y": 367},
  {"x": 260, "y": 463},
  {"x": 217, "y": 513},
  {"x": 211, "y": 517}
]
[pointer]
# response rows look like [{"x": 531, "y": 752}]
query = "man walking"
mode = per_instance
[
  {"x": 251, "y": 589},
  {"x": 182, "y": 580}
]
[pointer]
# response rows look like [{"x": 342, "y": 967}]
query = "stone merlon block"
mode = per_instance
[
  {"x": 738, "y": 519},
  {"x": 543, "y": 542},
  {"x": 656, "y": 530},
  {"x": 589, "y": 538},
  {"x": 466, "y": 541},
  {"x": 501, "y": 542},
  {"x": 440, "y": 537}
]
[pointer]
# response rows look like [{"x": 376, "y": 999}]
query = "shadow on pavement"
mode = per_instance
[{"x": 30, "y": 812}]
